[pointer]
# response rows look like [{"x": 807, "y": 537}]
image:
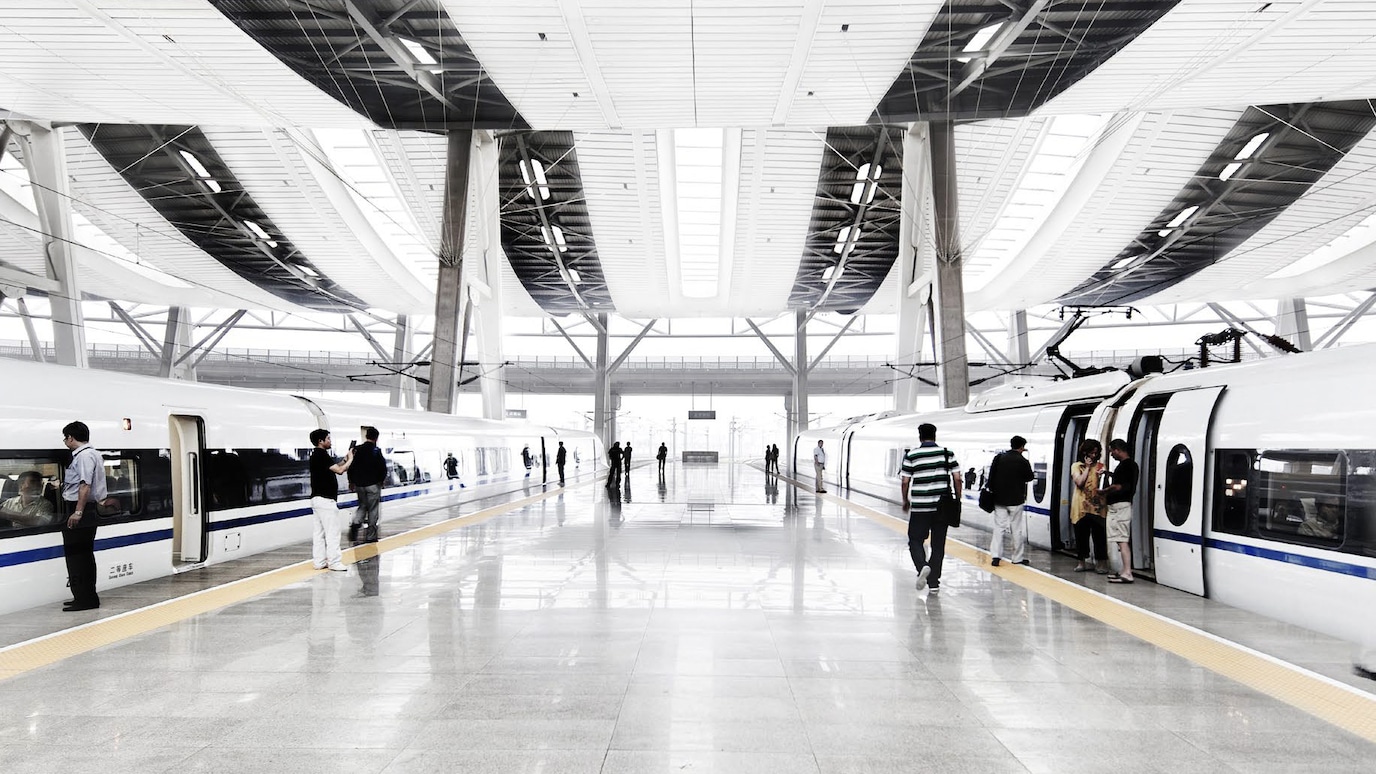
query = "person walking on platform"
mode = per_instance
[
  {"x": 451, "y": 467},
  {"x": 614, "y": 461},
  {"x": 560, "y": 457},
  {"x": 324, "y": 501},
  {"x": 83, "y": 487},
  {"x": 927, "y": 472},
  {"x": 626, "y": 458},
  {"x": 1119, "y": 497},
  {"x": 775, "y": 453},
  {"x": 367, "y": 473},
  {"x": 1087, "y": 507},
  {"x": 662, "y": 455},
  {"x": 1008, "y": 476},
  {"x": 819, "y": 465}
]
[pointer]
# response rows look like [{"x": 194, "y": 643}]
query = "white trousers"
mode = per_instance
[
  {"x": 325, "y": 533},
  {"x": 821, "y": 469},
  {"x": 1009, "y": 518}
]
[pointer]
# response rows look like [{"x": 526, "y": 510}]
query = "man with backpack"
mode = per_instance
[{"x": 1008, "y": 476}]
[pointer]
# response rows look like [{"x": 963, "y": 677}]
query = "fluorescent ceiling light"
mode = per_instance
[
  {"x": 256, "y": 229},
  {"x": 195, "y": 163},
  {"x": 1230, "y": 170},
  {"x": 307, "y": 270},
  {"x": 1251, "y": 146},
  {"x": 533, "y": 170},
  {"x": 418, "y": 52},
  {"x": 212, "y": 184},
  {"x": 1183, "y": 216},
  {"x": 1122, "y": 263},
  {"x": 982, "y": 38}
]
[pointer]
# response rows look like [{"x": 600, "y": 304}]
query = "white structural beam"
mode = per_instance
[
  {"x": 484, "y": 278},
  {"x": 914, "y": 285},
  {"x": 46, "y": 158},
  {"x": 1292, "y": 323}
]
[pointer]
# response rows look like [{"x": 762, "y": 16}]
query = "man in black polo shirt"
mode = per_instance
[
  {"x": 366, "y": 475},
  {"x": 1008, "y": 476},
  {"x": 324, "y": 506},
  {"x": 1119, "y": 495}
]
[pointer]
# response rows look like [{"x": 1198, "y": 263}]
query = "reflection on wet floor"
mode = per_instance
[{"x": 715, "y": 619}]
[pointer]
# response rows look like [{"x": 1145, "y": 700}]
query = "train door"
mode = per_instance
[
  {"x": 1068, "y": 441},
  {"x": 843, "y": 459},
  {"x": 1142, "y": 439},
  {"x": 189, "y": 522},
  {"x": 1177, "y": 485}
]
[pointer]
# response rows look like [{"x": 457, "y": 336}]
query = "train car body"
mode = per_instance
[
  {"x": 201, "y": 474},
  {"x": 1258, "y": 480}
]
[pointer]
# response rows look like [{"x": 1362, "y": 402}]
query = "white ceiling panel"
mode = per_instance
[
  {"x": 685, "y": 63},
  {"x": 1205, "y": 53},
  {"x": 271, "y": 166},
  {"x": 1161, "y": 155},
  {"x": 149, "y": 61}
]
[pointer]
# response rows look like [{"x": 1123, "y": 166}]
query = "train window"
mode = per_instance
[
  {"x": 1039, "y": 482},
  {"x": 123, "y": 487},
  {"x": 237, "y": 477},
  {"x": 1230, "y": 501},
  {"x": 1179, "y": 485},
  {"x": 29, "y": 491},
  {"x": 1300, "y": 496},
  {"x": 1361, "y": 502}
]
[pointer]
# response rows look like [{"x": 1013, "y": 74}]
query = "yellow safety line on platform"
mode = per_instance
[
  {"x": 1325, "y": 698},
  {"x": 26, "y": 656}
]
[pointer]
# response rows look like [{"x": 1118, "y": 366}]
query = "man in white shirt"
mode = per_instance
[
  {"x": 819, "y": 463},
  {"x": 83, "y": 487}
]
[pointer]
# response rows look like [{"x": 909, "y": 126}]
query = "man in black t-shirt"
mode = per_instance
[
  {"x": 1119, "y": 496},
  {"x": 560, "y": 457},
  {"x": 367, "y": 473},
  {"x": 662, "y": 455},
  {"x": 324, "y": 506},
  {"x": 1008, "y": 477}
]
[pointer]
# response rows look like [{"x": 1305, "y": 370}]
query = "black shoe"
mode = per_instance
[
  {"x": 1026, "y": 563},
  {"x": 353, "y": 532},
  {"x": 75, "y": 608},
  {"x": 994, "y": 562}
]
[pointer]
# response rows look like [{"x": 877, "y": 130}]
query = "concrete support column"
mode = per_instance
[
  {"x": 602, "y": 386},
  {"x": 800, "y": 363},
  {"x": 1292, "y": 323},
  {"x": 953, "y": 367},
  {"x": 487, "y": 296},
  {"x": 913, "y": 254},
  {"x": 403, "y": 390},
  {"x": 1018, "y": 351},
  {"x": 46, "y": 157},
  {"x": 444, "y": 356},
  {"x": 176, "y": 340}
]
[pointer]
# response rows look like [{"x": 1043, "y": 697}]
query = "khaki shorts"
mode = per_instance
[{"x": 1120, "y": 522}]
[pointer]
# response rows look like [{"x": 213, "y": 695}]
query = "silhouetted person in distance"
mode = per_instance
[
  {"x": 662, "y": 455},
  {"x": 614, "y": 462},
  {"x": 775, "y": 450},
  {"x": 451, "y": 467},
  {"x": 768, "y": 458},
  {"x": 626, "y": 457},
  {"x": 527, "y": 459},
  {"x": 559, "y": 458}
]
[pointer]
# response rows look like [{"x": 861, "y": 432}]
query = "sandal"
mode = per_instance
[
  {"x": 1119, "y": 579},
  {"x": 1080, "y": 569}
]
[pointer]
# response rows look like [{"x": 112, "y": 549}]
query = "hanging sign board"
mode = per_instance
[
  {"x": 702, "y": 414},
  {"x": 515, "y": 413}
]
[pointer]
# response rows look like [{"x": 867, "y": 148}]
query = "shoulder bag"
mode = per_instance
[
  {"x": 948, "y": 507},
  {"x": 986, "y": 493}
]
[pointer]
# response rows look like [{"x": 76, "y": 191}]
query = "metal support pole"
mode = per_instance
[
  {"x": 1018, "y": 350},
  {"x": 1292, "y": 323},
  {"x": 47, "y": 162},
  {"x": 35, "y": 346},
  {"x": 448, "y": 293},
  {"x": 403, "y": 390},
  {"x": 800, "y": 371},
  {"x": 1331, "y": 337},
  {"x": 601, "y": 424},
  {"x": 914, "y": 285},
  {"x": 953, "y": 366}
]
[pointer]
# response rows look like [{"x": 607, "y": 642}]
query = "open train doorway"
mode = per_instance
[
  {"x": 1143, "y": 444},
  {"x": 190, "y": 535},
  {"x": 1068, "y": 440}
]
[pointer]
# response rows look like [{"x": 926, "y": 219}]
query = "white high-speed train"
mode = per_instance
[
  {"x": 1258, "y": 480},
  {"x": 200, "y": 474}
]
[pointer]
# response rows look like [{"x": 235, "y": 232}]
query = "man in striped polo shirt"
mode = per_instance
[{"x": 927, "y": 472}]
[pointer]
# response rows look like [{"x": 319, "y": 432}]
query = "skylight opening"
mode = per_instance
[
  {"x": 1183, "y": 216},
  {"x": 981, "y": 38},
  {"x": 575, "y": 277},
  {"x": 829, "y": 272},
  {"x": 418, "y": 52},
  {"x": 212, "y": 184},
  {"x": 1123, "y": 263},
  {"x": 865, "y": 179},
  {"x": 1251, "y": 146},
  {"x": 553, "y": 237},
  {"x": 1164, "y": 232},
  {"x": 257, "y": 230},
  {"x": 195, "y": 163},
  {"x": 843, "y": 237},
  {"x": 1229, "y": 171},
  {"x": 699, "y": 158}
]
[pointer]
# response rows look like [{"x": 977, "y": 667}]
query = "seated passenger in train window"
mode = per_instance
[
  {"x": 28, "y": 508},
  {"x": 1326, "y": 521}
]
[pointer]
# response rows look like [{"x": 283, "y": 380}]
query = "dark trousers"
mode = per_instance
[
  {"x": 1091, "y": 527},
  {"x": 560, "y": 465},
  {"x": 627, "y": 463},
  {"x": 614, "y": 475},
  {"x": 920, "y": 525},
  {"x": 369, "y": 511},
  {"x": 661, "y": 465},
  {"x": 79, "y": 549}
]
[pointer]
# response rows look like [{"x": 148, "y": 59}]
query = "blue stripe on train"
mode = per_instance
[
  {"x": 102, "y": 544},
  {"x": 1260, "y": 552}
]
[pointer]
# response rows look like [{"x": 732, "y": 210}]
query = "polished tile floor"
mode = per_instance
[{"x": 697, "y": 624}]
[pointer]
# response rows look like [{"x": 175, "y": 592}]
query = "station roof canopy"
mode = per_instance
[{"x": 668, "y": 158}]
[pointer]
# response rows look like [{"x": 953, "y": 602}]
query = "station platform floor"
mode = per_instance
[{"x": 717, "y": 620}]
